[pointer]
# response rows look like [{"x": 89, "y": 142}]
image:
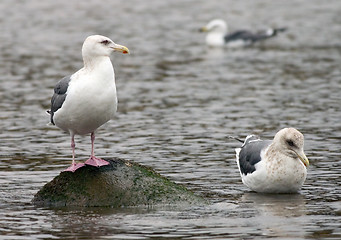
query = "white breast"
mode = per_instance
[
  {"x": 91, "y": 100},
  {"x": 276, "y": 177},
  {"x": 215, "y": 39}
]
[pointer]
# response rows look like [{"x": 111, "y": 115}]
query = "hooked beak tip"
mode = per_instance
[
  {"x": 122, "y": 49},
  {"x": 304, "y": 159}
]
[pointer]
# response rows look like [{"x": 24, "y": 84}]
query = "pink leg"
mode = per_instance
[
  {"x": 74, "y": 166},
  {"x": 94, "y": 161}
]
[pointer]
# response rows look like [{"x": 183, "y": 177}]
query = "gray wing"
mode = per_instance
[
  {"x": 59, "y": 95},
  {"x": 252, "y": 37},
  {"x": 240, "y": 35},
  {"x": 262, "y": 35},
  {"x": 249, "y": 154}
]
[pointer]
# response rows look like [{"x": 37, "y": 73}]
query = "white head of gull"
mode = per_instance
[
  {"x": 85, "y": 100},
  {"x": 277, "y": 166},
  {"x": 218, "y": 36},
  {"x": 216, "y": 31}
]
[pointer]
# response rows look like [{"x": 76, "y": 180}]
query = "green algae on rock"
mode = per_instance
[{"x": 122, "y": 183}]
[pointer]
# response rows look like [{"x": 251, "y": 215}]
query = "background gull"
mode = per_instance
[{"x": 217, "y": 35}]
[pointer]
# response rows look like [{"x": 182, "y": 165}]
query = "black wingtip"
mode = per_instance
[
  {"x": 239, "y": 140},
  {"x": 51, "y": 113},
  {"x": 283, "y": 29}
]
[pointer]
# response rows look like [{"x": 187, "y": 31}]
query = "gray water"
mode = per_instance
[{"x": 178, "y": 100}]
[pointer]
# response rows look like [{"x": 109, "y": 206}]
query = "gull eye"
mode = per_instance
[
  {"x": 105, "y": 42},
  {"x": 290, "y": 143}
]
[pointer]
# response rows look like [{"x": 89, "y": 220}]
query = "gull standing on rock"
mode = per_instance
[{"x": 85, "y": 100}]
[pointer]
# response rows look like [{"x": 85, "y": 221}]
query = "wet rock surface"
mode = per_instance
[{"x": 122, "y": 183}]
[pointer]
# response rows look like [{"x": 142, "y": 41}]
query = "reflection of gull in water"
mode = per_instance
[
  {"x": 285, "y": 205},
  {"x": 277, "y": 214}
]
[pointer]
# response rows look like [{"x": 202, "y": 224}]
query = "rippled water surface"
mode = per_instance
[{"x": 178, "y": 100}]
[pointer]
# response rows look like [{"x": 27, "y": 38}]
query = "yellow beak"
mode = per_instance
[
  {"x": 120, "y": 48},
  {"x": 203, "y": 29},
  {"x": 303, "y": 158}
]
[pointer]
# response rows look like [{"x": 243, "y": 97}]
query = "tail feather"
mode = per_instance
[
  {"x": 235, "y": 138},
  {"x": 283, "y": 29},
  {"x": 277, "y": 30}
]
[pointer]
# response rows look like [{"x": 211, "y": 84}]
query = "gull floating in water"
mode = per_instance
[
  {"x": 85, "y": 100},
  {"x": 218, "y": 36},
  {"x": 277, "y": 166}
]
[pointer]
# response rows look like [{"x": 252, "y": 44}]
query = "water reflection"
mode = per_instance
[{"x": 282, "y": 205}]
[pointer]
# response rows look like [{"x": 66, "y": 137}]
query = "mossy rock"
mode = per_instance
[{"x": 122, "y": 183}]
